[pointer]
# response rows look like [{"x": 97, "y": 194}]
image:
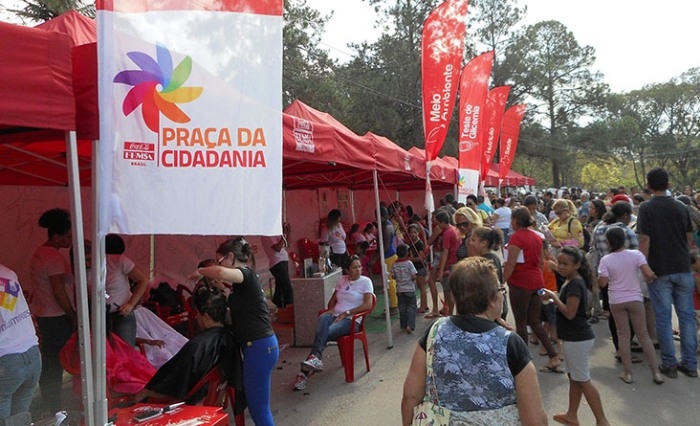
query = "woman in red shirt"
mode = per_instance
[{"x": 523, "y": 272}]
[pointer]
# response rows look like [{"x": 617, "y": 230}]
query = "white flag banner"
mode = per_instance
[
  {"x": 190, "y": 97},
  {"x": 468, "y": 183}
]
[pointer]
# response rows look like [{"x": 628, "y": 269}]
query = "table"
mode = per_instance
[
  {"x": 184, "y": 415},
  {"x": 310, "y": 296}
]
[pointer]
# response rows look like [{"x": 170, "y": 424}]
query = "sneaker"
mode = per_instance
[
  {"x": 300, "y": 382},
  {"x": 593, "y": 320},
  {"x": 670, "y": 371},
  {"x": 393, "y": 312},
  {"x": 658, "y": 379},
  {"x": 688, "y": 372},
  {"x": 313, "y": 363}
]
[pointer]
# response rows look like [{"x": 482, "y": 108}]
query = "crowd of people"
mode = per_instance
[
  {"x": 571, "y": 260},
  {"x": 556, "y": 262},
  {"x": 38, "y": 322}
]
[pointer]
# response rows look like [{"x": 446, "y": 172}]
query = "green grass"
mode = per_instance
[{"x": 376, "y": 321}]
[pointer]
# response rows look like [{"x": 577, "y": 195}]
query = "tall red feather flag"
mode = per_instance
[
  {"x": 510, "y": 131},
  {"x": 495, "y": 107},
  {"x": 473, "y": 89},
  {"x": 442, "y": 49}
]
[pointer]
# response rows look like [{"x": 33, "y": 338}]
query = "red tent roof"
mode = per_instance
[
  {"x": 79, "y": 28},
  {"x": 350, "y": 148},
  {"x": 442, "y": 169},
  {"x": 36, "y": 89},
  {"x": 36, "y": 105},
  {"x": 353, "y": 157},
  {"x": 512, "y": 178},
  {"x": 397, "y": 167},
  {"x": 320, "y": 151}
]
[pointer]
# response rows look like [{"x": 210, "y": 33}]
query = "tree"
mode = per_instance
[
  {"x": 45, "y": 10},
  {"x": 492, "y": 26},
  {"x": 308, "y": 73},
  {"x": 382, "y": 82},
  {"x": 551, "y": 72},
  {"x": 668, "y": 118}
]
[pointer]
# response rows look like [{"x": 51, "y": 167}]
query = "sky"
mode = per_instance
[{"x": 637, "y": 42}]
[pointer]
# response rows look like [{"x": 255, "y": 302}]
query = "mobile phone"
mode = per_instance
[{"x": 147, "y": 414}]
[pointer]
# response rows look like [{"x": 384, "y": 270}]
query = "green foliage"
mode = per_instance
[
  {"x": 44, "y": 10},
  {"x": 308, "y": 73}
]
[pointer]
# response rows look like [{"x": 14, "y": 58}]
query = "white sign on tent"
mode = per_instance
[{"x": 190, "y": 118}]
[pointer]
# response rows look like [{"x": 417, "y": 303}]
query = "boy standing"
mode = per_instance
[{"x": 404, "y": 272}]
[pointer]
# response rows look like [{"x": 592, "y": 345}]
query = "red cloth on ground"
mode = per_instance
[{"x": 128, "y": 370}]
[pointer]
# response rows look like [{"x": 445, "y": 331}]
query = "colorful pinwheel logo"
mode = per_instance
[
  {"x": 157, "y": 87},
  {"x": 462, "y": 181}
]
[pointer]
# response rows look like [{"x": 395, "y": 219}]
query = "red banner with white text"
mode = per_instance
[
  {"x": 442, "y": 49},
  {"x": 473, "y": 89},
  {"x": 493, "y": 116},
  {"x": 510, "y": 131}
]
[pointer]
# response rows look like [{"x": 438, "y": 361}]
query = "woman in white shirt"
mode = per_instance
[
  {"x": 353, "y": 293},
  {"x": 334, "y": 236},
  {"x": 20, "y": 360},
  {"x": 501, "y": 218},
  {"x": 121, "y": 269}
]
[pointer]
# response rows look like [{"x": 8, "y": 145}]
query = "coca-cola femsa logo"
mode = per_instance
[{"x": 139, "y": 146}]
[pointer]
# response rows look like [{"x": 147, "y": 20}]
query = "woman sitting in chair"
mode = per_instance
[
  {"x": 212, "y": 346},
  {"x": 353, "y": 294}
]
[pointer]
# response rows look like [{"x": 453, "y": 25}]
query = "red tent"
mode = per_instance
[
  {"x": 313, "y": 158},
  {"x": 37, "y": 142},
  {"x": 398, "y": 168},
  {"x": 79, "y": 28},
  {"x": 512, "y": 178},
  {"x": 320, "y": 151},
  {"x": 442, "y": 169},
  {"x": 38, "y": 100},
  {"x": 36, "y": 106}
]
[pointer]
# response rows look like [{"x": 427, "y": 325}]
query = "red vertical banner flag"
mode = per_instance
[
  {"x": 510, "y": 131},
  {"x": 442, "y": 49},
  {"x": 495, "y": 107},
  {"x": 473, "y": 89}
]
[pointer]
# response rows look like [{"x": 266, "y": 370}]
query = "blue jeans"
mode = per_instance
[
  {"x": 327, "y": 330},
  {"x": 506, "y": 235},
  {"x": 676, "y": 289},
  {"x": 259, "y": 358},
  {"x": 19, "y": 377},
  {"x": 407, "y": 310}
]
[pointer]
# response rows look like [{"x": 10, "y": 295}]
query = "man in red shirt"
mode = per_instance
[{"x": 450, "y": 243}]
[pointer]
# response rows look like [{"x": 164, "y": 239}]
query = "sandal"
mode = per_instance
[
  {"x": 548, "y": 369},
  {"x": 432, "y": 315},
  {"x": 561, "y": 418},
  {"x": 627, "y": 378}
]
